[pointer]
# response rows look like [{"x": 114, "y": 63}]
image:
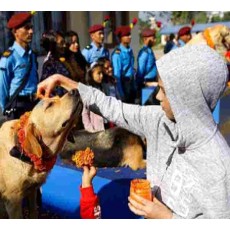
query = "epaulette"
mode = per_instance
[
  {"x": 7, "y": 53},
  {"x": 117, "y": 51},
  {"x": 88, "y": 47}
]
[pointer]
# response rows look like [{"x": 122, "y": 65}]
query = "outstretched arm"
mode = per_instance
[
  {"x": 135, "y": 118},
  {"x": 89, "y": 202},
  {"x": 46, "y": 87}
]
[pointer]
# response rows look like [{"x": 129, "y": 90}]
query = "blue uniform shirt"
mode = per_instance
[
  {"x": 92, "y": 53},
  {"x": 123, "y": 62},
  {"x": 146, "y": 64},
  {"x": 180, "y": 44},
  {"x": 123, "y": 65},
  {"x": 12, "y": 70}
]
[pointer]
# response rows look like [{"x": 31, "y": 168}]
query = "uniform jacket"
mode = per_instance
[
  {"x": 180, "y": 44},
  {"x": 13, "y": 68},
  {"x": 123, "y": 62},
  {"x": 123, "y": 65},
  {"x": 146, "y": 64},
  {"x": 92, "y": 53}
]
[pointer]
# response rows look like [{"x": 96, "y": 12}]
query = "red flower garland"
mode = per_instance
[
  {"x": 43, "y": 164},
  {"x": 227, "y": 54}
]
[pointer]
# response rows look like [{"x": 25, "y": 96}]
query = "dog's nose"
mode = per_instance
[{"x": 74, "y": 93}]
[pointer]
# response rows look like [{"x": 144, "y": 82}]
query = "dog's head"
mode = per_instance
[
  {"x": 220, "y": 35},
  {"x": 217, "y": 36},
  {"x": 50, "y": 122}
]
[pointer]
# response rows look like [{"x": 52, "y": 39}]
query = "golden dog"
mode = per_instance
[
  {"x": 36, "y": 138},
  {"x": 217, "y": 37}
]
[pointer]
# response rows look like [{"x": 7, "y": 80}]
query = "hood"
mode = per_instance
[{"x": 194, "y": 77}]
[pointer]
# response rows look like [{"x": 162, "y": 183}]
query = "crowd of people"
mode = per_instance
[
  {"x": 188, "y": 160},
  {"x": 65, "y": 56}
]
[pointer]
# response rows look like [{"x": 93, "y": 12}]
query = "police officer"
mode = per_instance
[
  {"x": 146, "y": 61},
  {"x": 123, "y": 65},
  {"x": 183, "y": 36},
  {"x": 17, "y": 62},
  {"x": 96, "y": 49}
]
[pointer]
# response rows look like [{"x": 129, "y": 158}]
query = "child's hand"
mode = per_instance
[
  {"x": 149, "y": 209},
  {"x": 88, "y": 175}
]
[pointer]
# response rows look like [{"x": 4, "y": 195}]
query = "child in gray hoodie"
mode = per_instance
[{"x": 188, "y": 160}]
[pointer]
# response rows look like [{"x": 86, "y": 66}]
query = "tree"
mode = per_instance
[
  {"x": 185, "y": 17},
  {"x": 143, "y": 24},
  {"x": 216, "y": 18},
  {"x": 201, "y": 17},
  {"x": 226, "y": 16},
  {"x": 182, "y": 17}
]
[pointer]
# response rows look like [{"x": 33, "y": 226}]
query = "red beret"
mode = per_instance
[
  {"x": 18, "y": 19},
  {"x": 184, "y": 31},
  {"x": 148, "y": 33},
  {"x": 123, "y": 31},
  {"x": 95, "y": 28}
]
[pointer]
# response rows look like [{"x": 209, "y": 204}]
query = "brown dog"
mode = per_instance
[
  {"x": 28, "y": 149},
  {"x": 217, "y": 37}
]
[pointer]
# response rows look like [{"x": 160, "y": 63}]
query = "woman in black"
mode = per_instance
[{"x": 76, "y": 62}]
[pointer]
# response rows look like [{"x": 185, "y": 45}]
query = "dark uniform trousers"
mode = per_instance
[{"x": 129, "y": 89}]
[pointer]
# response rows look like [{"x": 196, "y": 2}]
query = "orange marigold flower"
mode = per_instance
[{"x": 83, "y": 158}]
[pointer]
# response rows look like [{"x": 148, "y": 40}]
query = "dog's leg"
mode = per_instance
[
  {"x": 14, "y": 208},
  {"x": 3, "y": 213},
  {"x": 32, "y": 204},
  {"x": 133, "y": 157}
]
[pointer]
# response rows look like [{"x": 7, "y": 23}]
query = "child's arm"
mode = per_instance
[{"x": 89, "y": 203}]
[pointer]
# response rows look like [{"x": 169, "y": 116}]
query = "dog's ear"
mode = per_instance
[{"x": 31, "y": 143}]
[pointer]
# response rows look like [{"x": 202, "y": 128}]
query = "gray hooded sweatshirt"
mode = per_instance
[{"x": 188, "y": 161}]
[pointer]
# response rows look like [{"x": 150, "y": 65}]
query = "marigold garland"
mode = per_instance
[
  {"x": 43, "y": 164},
  {"x": 208, "y": 39}
]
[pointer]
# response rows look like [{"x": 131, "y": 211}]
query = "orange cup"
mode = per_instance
[{"x": 141, "y": 187}]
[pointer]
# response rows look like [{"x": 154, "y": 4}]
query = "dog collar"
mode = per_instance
[
  {"x": 15, "y": 152},
  {"x": 42, "y": 164},
  {"x": 208, "y": 39}
]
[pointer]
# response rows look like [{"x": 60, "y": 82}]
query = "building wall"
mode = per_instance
[
  {"x": 135, "y": 43},
  {"x": 78, "y": 21}
]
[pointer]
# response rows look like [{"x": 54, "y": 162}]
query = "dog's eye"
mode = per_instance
[
  {"x": 65, "y": 123},
  {"x": 48, "y": 105}
]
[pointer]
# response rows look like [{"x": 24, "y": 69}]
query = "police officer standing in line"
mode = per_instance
[
  {"x": 123, "y": 65},
  {"x": 183, "y": 36},
  {"x": 146, "y": 61},
  {"x": 18, "y": 62},
  {"x": 96, "y": 49}
]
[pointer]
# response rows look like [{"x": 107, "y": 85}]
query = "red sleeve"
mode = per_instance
[{"x": 89, "y": 204}]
